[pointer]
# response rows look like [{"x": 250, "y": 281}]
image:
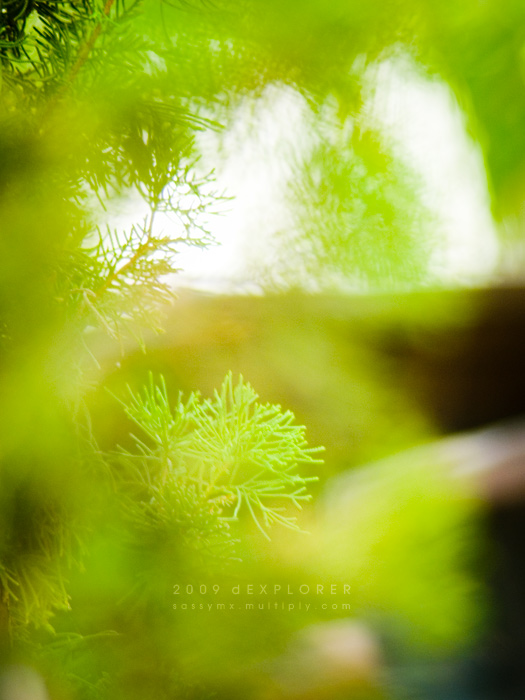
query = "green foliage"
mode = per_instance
[
  {"x": 360, "y": 218},
  {"x": 228, "y": 452},
  {"x": 100, "y": 104},
  {"x": 98, "y": 107},
  {"x": 405, "y": 531},
  {"x": 121, "y": 283}
]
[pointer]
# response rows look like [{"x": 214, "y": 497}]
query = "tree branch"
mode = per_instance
[{"x": 88, "y": 45}]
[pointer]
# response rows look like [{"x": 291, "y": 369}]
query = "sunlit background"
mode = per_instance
[{"x": 254, "y": 160}]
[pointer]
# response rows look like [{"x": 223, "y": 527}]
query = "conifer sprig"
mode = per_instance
[
  {"x": 234, "y": 452},
  {"x": 120, "y": 281}
]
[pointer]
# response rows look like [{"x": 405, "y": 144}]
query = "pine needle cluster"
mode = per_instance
[{"x": 230, "y": 453}]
